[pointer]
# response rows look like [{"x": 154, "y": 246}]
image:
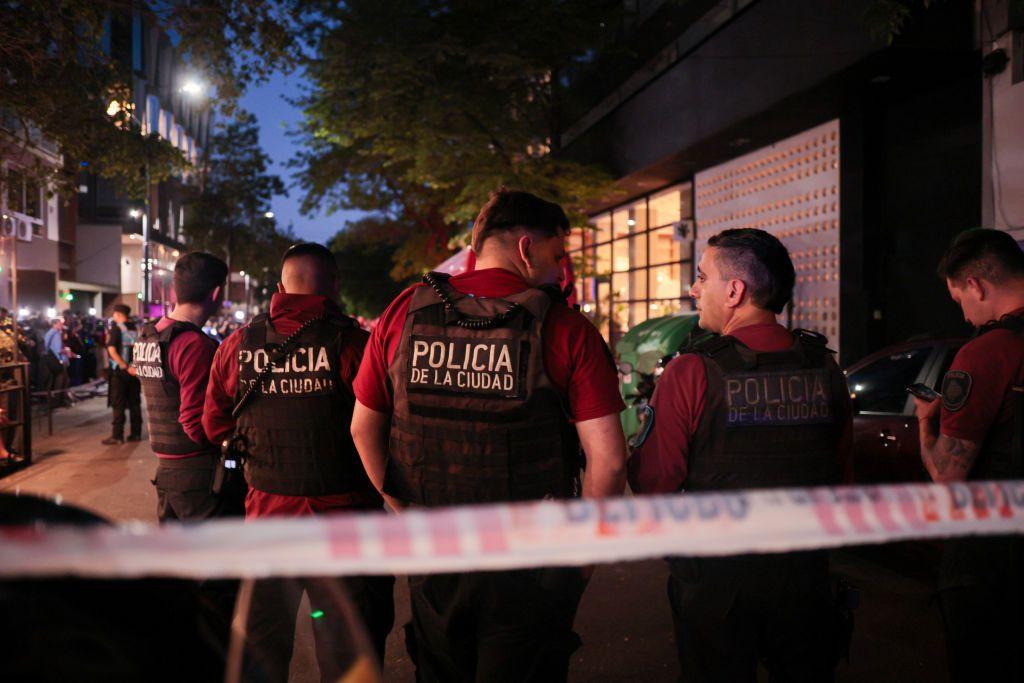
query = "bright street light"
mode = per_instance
[
  {"x": 193, "y": 88},
  {"x": 239, "y": 315},
  {"x": 268, "y": 214},
  {"x": 92, "y": 311},
  {"x": 134, "y": 213},
  {"x": 51, "y": 312}
]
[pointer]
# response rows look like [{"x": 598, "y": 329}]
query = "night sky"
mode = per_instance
[{"x": 275, "y": 117}]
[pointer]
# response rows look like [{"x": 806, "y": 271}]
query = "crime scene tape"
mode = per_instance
[{"x": 520, "y": 535}]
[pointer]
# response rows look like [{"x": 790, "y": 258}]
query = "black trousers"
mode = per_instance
[
  {"x": 270, "y": 626},
  {"x": 494, "y": 626},
  {"x": 980, "y": 597},
  {"x": 125, "y": 393},
  {"x": 183, "y": 491},
  {"x": 730, "y": 613},
  {"x": 183, "y": 495}
]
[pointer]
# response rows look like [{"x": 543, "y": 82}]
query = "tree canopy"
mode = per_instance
[
  {"x": 419, "y": 109},
  {"x": 58, "y": 75},
  {"x": 230, "y": 215}
]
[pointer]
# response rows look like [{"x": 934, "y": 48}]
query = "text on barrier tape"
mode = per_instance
[{"x": 521, "y": 535}]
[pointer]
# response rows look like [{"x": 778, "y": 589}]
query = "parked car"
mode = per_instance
[{"x": 885, "y": 442}]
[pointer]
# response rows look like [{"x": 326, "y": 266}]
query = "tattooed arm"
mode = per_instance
[{"x": 947, "y": 459}]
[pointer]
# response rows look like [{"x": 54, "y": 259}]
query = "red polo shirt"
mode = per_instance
[
  {"x": 994, "y": 362},
  {"x": 287, "y": 313},
  {"x": 576, "y": 358},
  {"x": 660, "y": 464}
]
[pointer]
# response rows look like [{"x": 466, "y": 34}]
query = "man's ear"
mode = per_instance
[
  {"x": 735, "y": 290},
  {"x": 280, "y": 288},
  {"x": 524, "y": 245},
  {"x": 977, "y": 287},
  {"x": 215, "y": 294}
]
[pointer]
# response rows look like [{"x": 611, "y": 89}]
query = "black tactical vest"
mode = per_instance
[
  {"x": 476, "y": 419},
  {"x": 162, "y": 391},
  {"x": 1001, "y": 453},
  {"x": 770, "y": 419},
  {"x": 297, "y": 423}
]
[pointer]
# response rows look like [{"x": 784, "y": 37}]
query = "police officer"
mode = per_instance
[
  {"x": 299, "y": 363},
  {"x": 124, "y": 391},
  {"x": 479, "y": 388},
  {"x": 172, "y": 359},
  {"x": 975, "y": 432},
  {"x": 754, "y": 406}
]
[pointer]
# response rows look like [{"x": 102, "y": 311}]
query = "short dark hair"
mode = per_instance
[
  {"x": 761, "y": 261},
  {"x": 982, "y": 253},
  {"x": 510, "y": 209},
  {"x": 315, "y": 250},
  {"x": 121, "y": 308},
  {"x": 196, "y": 274}
]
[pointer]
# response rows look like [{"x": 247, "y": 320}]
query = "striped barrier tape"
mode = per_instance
[{"x": 522, "y": 535}]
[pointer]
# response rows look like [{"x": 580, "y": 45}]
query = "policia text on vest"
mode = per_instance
[
  {"x": 483, "y": 366},
  {"x": 779, "y": 398},
  {"x": 304, "y": 371}
]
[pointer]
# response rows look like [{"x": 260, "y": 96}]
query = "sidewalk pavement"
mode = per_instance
[{"x": 623, "y": 620}]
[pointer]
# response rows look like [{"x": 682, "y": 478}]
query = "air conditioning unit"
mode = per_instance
[
  {"x": 24, "y": 231},
  {"x": 8, "y": 226}
]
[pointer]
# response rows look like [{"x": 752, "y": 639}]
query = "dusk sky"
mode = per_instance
[{"x": 276, "y": 117}]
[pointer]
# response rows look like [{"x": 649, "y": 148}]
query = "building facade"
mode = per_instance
[
  {"x": 109, "y": 222},
  {"x": 865, "y": 158}
]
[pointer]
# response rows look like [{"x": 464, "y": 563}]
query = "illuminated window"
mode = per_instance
[{"x": 635, "y": 262}]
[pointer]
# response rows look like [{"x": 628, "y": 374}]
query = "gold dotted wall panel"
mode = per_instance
[{"x": 790, "y": 189}]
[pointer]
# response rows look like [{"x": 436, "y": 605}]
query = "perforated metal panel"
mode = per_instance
[{"x": 790, "y": 189}]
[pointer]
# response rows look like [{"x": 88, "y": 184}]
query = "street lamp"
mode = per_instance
[{"x": 268, "y": 214}]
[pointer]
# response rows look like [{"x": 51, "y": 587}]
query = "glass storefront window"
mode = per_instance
[
  {"x": 603, "y": 223},
  {"x": 639, "y": 266},
  {"x": 603, "y": 262},
  {"x": 666, "y": 206},
  {"x": 575, "y": 240},
  {"x": 621, "y": 223},
  {"x": 665, "y": 246},
  {"x": 620, "y": 287},
  {"x": 656, "y": 309},
  {"x": 638, "y": 284},
  {"x": 668, "y": 281}
]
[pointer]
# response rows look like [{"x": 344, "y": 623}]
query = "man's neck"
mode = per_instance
[
  {"x": 485, "y": 262},
  {"x": 748, "y": 316},
  {"x": 1008, "y": 303},
  {"x": 189, "y": 313}
]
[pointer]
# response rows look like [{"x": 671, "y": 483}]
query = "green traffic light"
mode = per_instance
[{"x": 316, "y": 614}]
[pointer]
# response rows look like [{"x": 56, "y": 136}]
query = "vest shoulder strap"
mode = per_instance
[
  {"x": 723, "y": 351},
  {"x": 255, "y": 333},
  {"x": 813, "y": 346},
  {"x": 1013, "y": 323}
]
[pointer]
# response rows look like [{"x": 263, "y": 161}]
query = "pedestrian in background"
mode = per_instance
[
  {"x": 536, "y": 380},
  {"x": 707, "y": 430},
  {"x": 300, "y": 459},
  {"x": 54, "y": 363},
  {"x": 125, "y": 392},
  {"x": 976, "y": 432}
]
